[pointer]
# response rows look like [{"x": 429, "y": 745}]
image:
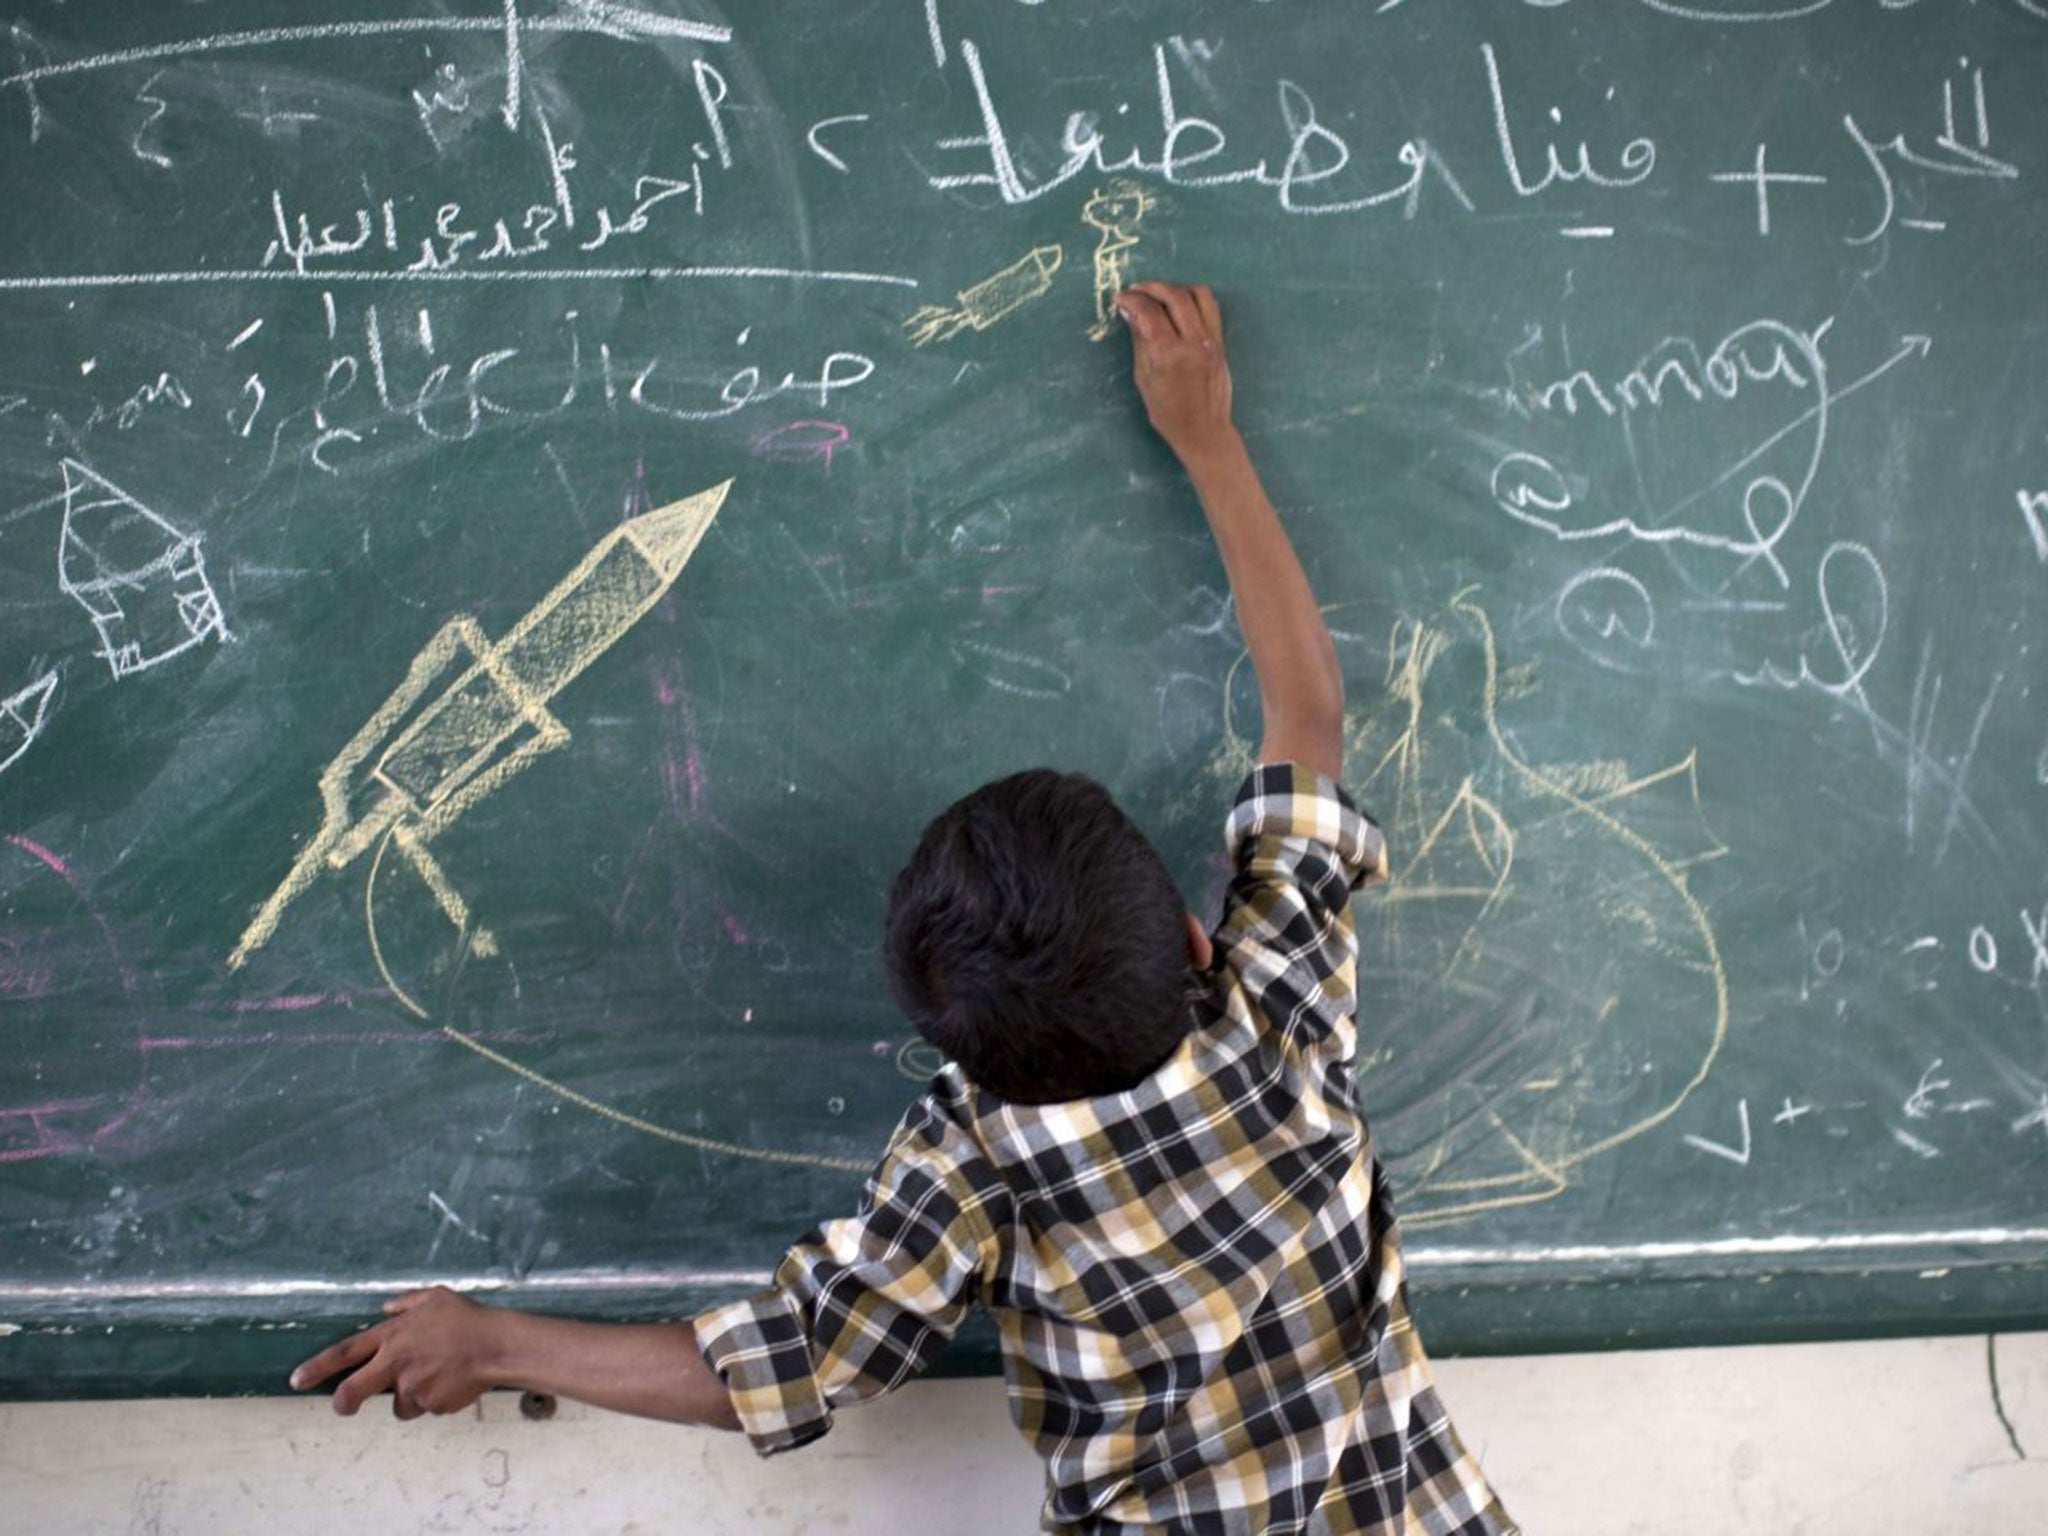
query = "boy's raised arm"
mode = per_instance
[{"x": 1177, "y": 359}]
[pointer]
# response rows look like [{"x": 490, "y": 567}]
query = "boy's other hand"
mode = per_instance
[
  {"x": 1177, "y": 360},
  {"x": 433, "y": 1354}
]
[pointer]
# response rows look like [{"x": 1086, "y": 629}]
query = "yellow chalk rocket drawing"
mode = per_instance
[
  {"x": 1115, "y": 211},
  {"x": 981, "y": 306},
  {"x": 472, "y": 712}
]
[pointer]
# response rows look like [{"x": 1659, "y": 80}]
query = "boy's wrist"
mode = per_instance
[
  {"x": 1216, "y": 456},
  {"x": 504, "y": 1337}
]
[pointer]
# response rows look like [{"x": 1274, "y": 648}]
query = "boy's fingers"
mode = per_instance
[
  {"x": 336, "y": 1357},
  {"x": 1179, "y": 303},
  {"x": 1146, "y": 317},
  {"x": 1161, "y": 297},
  {"x": 408, "y": 1300},
  {"x": 1212, "y": 316},
  {"x": 365, "y": 1384}
]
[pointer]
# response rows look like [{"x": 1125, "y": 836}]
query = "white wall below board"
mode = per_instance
[{"x": 1793, "y": 1440}]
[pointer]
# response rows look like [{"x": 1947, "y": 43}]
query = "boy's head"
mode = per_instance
[{"x": 1036, "y": 938}]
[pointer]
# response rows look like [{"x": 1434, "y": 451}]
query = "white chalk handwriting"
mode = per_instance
[{"x": 1190, "y": 151}]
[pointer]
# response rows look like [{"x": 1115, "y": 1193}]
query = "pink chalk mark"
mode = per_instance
[
  {"x": 734, "y": 928},
  {"x": 682, "y": 775},
  {"x": 796, "y": 440},
  {"x": 52, "y": 1140},
  {"x": 292, "y": 1002},
  {"x": 46, "y": 1143},
  {"x": 685, "y": 783},
  {"x": 54, "y": 1107},
  {"x": 64, "y": 872},
  {"x": 682, "y": 778},
  {"x": 674, "y": 785},
  {"x": 632, "y": 879},
  {"x": 991, "y": 589},
  {"x": 35, "y": 849},
  {"x": 693, "y": 766},
  {"x": 23, "y": 977}
]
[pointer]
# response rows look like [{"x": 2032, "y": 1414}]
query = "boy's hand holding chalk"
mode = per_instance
[{"x": 1178, "y": 364}]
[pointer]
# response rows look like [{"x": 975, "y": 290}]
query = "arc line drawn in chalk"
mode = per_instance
[
  {"x": 22, "y": 716},
  {"x": 648, "y": 1127},
  {"x": 471, "y": 713},
  {"x": 140, "y": 579},
  {"x": 820, "y": 150},
  {"x": 561, "y": 1090},
  {"x": 993, "y": 298}
]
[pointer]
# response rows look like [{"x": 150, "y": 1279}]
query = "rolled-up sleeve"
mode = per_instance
[
  {"x": 866, "y": 1302},
  {"x": 1298, "y": 848}
]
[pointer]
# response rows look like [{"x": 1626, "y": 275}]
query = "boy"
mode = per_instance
[{"x": 1154, "y": 1179}]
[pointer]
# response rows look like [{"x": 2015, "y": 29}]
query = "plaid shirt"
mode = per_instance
[{"x": 1198, "y": 1280}]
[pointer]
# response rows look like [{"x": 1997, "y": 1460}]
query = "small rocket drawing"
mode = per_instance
[{"x": 982, "y": 305}]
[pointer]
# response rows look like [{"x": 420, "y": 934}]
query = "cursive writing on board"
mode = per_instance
[
  {"x": 1191, "y": 152},
  {"x": 1315, "y": 163}
]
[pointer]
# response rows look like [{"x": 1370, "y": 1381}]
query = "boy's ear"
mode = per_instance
[{"x": 1200, "y": 952}]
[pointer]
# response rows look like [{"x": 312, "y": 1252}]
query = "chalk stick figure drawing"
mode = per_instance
[
  {"x": 140, "y": 579},
  {"x": 471, "y": 713},
  {"x": 1114, "y": 211},
  {"x": 21, "y": 718},
  {"x": 982, "y": 305}
]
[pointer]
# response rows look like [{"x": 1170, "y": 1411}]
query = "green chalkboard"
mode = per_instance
[{"x": 512, "y": 517}]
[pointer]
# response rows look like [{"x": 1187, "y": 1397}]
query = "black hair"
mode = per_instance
[{"x": 1036, "y": 938}]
